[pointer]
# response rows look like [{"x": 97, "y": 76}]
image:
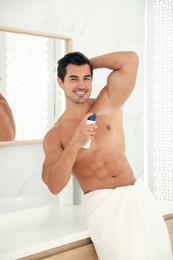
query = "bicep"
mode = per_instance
[
  {"x": 120, "y": 83},
  {"x": 52, "y": 153},
  {"x": 52, "y": 148}
]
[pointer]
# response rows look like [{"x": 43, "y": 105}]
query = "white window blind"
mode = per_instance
[{"x": 161, "y": 129}]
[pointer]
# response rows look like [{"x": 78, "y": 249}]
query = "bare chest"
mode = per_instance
[{"x": 108, "y": 132}]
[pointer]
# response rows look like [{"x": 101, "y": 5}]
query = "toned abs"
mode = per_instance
[{"x": 104, "y": 165}]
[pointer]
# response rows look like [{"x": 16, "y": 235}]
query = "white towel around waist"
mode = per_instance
[{"x": 126, "y": 224}]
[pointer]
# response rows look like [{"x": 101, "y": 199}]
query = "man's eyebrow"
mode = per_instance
[
  {"x": 74, "y": 76},
  {"x": 87, "y": 76}
]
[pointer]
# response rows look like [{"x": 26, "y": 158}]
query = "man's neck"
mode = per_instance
[{"x": 77, "y": 110}]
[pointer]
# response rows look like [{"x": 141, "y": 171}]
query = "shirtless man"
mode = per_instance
[
  {"x": 104, "y": 165},
  {"x": 7, "y": 125},
  {"x": 121, "y": 215}
]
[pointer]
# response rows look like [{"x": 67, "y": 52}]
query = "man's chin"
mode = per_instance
[{"x": 81, "y": 101}]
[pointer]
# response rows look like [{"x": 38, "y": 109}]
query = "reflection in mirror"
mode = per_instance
[
  {"x": 28, "y": 79},
  {"x": 7, "y": 125}
]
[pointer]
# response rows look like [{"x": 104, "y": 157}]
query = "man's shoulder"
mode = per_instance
[
  {"x": 55, "y": 129},
  {"x": 58, "y": 129}
]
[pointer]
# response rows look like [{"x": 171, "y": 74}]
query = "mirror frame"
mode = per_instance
[{"x": 68, "y": 48}]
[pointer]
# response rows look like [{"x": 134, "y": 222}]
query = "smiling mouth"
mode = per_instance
[{"x": 80, "y": 92}]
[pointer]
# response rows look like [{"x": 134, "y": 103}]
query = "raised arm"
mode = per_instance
[{"x": 121, "y": 80}]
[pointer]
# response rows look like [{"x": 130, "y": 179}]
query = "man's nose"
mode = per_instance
[{"x": 81, "y": 83}]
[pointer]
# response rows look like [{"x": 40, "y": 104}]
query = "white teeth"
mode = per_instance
[{"x": 80, "y": 93}]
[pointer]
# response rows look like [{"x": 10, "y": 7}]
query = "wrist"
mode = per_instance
[{"x": 73, "y": 148}]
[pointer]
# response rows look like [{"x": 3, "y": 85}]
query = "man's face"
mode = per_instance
[{"x": 77, "y": 83}]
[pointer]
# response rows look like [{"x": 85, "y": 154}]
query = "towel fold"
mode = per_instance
[{"x": 126, "y": 224}]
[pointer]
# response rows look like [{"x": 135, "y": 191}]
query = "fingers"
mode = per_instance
[
  {"x": 84, "y": 119},
  {"x": 91, "y": 127},
  {"x": 88, "y": 130}
]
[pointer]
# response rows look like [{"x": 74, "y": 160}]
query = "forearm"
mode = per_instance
[
  {"x": 113, "y": 61},
  {"x": 58, "y": 174}
]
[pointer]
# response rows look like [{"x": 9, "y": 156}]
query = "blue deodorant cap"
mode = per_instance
[{"x": 92, "y": 118}]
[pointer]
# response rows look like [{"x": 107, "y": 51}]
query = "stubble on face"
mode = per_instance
[{"x": 78, "y": 83}]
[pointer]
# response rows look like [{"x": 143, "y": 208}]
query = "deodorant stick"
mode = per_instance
[{"x": 90, "y": 120}]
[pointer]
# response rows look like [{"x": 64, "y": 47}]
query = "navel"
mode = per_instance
[
  {"x": 114, "y": 176},
  {"x": 108, "y": 127}
]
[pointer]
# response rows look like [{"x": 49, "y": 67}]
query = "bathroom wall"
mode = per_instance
[
  {"x": 20, "y": 173},
  {"x": 96, "y": 27}
]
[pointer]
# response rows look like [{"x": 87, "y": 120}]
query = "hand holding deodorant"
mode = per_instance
[{"x": 90, "y": 120}]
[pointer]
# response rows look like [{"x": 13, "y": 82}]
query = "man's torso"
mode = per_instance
[{"x": 104, "y": 165}]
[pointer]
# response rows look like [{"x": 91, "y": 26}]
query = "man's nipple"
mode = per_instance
[{"x": 108, "y": 127}]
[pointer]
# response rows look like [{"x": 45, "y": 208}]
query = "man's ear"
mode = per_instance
[{"x": 60, "y": 82}]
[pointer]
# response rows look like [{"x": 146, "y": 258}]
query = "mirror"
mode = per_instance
[{"x": 29, "y": 79}]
